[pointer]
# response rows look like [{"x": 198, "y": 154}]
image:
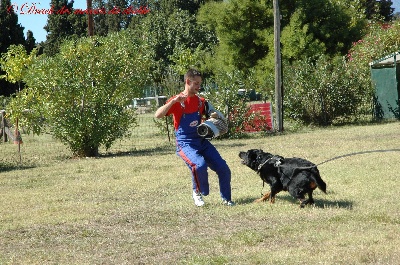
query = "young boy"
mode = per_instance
[{"x": 198, "y": 153}]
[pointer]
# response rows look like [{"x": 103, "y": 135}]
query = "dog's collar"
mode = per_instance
[{"x": 277, "y": 163}]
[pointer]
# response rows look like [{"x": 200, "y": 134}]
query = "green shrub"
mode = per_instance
[
  {"x": 322, "y": 91},
  {"x": 224, "y": 97},
  {"x": 83, "y": 91},
  {"x": 4, "y": 102}
]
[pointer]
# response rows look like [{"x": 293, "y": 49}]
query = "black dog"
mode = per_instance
[{"x": 295, "y": 175}]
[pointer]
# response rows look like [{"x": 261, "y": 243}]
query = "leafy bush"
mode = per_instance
[
  {"x": 4, "y": 102},
  {"x": 396, "y": 110},
  {"x": 224, "y": 97},
  {"x": 322, "y": 91},
  {"x": 83, "y": 91},
  {"x": 381, "y": 40},
  {"x": 165, "y": 126}
]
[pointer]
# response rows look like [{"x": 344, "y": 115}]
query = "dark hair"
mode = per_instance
[{"x": 191, "y": 73}]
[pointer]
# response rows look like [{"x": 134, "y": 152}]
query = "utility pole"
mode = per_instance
[
  {"x": 90, "y": 17},
  {"x": 278, "y": 67}
]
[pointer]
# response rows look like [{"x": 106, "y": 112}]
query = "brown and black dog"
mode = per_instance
[{"x": 295, "y": 175}]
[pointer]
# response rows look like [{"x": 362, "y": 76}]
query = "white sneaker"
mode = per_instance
[
  {"x": 198, "y": 200},
  {"x": 228, "y": 203}
]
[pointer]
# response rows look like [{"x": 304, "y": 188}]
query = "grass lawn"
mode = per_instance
[{"x": 133, "y": 205}]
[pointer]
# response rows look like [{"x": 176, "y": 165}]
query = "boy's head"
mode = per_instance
[{"x": 191, "y": 74}]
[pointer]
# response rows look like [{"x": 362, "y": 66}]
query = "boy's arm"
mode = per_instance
[{"x": 163, "y": 110}]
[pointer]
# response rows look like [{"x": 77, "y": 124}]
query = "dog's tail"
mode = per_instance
[
  {"x": 315, "y": 176},
  {"x": 320, "y": 183}
]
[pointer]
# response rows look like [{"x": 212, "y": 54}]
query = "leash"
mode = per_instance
[
  {"x": 278, "y": 163},
  {"x": 360, "y": 153}
]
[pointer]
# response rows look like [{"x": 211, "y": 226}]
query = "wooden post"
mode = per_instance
[
  {"x": 278, "y": 67},
  {"x": 3, "y": 126},
  {"x": 90, "y": 17},
  {"x": 17, "y": 140}
]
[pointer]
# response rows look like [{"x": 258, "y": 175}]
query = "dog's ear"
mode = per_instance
[
  {"x": 253, "y": 155},
  {"x": 268, "y": 154}
]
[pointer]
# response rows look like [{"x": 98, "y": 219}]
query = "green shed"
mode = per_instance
[{"x": 385, "y": 75}]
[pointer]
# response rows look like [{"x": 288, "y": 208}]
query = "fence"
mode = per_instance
[
  {"x": 262, "y": 120},
  {"x": 148, "y": 128}
]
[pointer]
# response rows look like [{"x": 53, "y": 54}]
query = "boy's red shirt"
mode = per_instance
[{"x": 191, "y": 104}]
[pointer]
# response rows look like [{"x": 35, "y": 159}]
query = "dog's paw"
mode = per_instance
[
  {"x": 264, "y": 198},
  {"x": 260, "y": 200},
  {"x": 303, "y": 202}
]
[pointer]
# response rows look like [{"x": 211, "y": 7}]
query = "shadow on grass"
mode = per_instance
[
  {"x": 342, "y": 204},
  {"x": 322, "y": 203},
  {"x": 247, "y": 200},
  {"x": 9, "y": 167},
  {"x": 159, "y": 150},
  {"x": 229, "y": 144}
]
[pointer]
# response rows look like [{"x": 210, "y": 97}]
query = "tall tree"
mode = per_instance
[
  {"x": 378, "y": 9},
  {"x": 11, "y": 33},
  {"x": 115, "y": 17},
  {"x": 169, "y": 32},
  {"x": 117, "y": 20},
  {"x": 100, "y": 21},
  {"x": 386, "y": 10},
  {"x": 30, "y": 42},
  {"x": 169, "y": 6},
  {"x": 63, "y": 24},
  {"x": 245, "y": 31},
  {"x": 331, "y": 24}
]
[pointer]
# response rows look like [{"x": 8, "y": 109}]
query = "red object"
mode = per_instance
[{"x": 262, "y": 120}]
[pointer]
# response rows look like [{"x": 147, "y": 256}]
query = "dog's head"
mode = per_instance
[{"x": 253, "y": 158}]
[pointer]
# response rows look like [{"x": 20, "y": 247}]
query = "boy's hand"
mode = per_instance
[{"x": 180, "y": 98}]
